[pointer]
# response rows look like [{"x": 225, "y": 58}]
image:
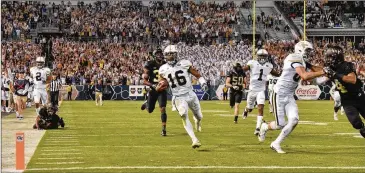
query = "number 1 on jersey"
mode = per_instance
[{"x": 260, "y": 77}]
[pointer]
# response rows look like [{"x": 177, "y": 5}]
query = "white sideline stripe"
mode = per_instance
[
  {"x": 51, "y": 154},
  {"x": 196, "y": 167},
  {"x": 248, "y": 146},
  {"x": 68, "y": 141},
  {"x": 63, "y": 150},
  {"x": 60, "y": 158},
  {"x": 62, "y": 137},
  {"x": 57, "y": 163}
]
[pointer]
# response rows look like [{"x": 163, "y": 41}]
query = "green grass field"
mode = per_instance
[{"x": 119, "y": 137}]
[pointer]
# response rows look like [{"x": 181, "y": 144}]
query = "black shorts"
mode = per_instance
[
  {"x": 235, "y": 97},
  {"x": 153, "y": 96}
]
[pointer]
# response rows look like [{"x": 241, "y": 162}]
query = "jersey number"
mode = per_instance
[
  {"x": 237, "y": 81},
  {"x": 157, "y": 77},
  {"x": 260, "y": 77},
  {"x": 272, "y": 81},
  {"x": 296, "y": 77},
  {"x": 181, "y": 80},
  {"x": 38, "y": 76},
  {"x": 340, "y": 87}
]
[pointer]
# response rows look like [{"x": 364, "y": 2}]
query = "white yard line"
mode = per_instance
[
  {"x": 63, "y": 150},
  {"x": 57, "y": 163},
  {"x": 59, "y": 158},
  {"x": 198, "y": 167},
  {"x": 175, "y": 146},
  {"x": 51, "y": 154}
]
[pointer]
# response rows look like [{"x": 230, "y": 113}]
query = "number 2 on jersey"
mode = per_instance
[
  {"x": 38, "y": 76},
  {"x": 181, "y": 80}
]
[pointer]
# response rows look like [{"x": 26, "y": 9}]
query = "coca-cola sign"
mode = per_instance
[{"x": 308, "y": 92}]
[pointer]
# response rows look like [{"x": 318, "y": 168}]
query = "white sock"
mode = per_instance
[
  {"x": 284, "y": 133},
  {"x": 189, "y": 128},
  {"x": 37, "y": 110},
  {"x": 335, "y": 114},
  {"x": 259, "y": 121}
]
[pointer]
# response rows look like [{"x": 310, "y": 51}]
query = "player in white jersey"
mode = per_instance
[
  {"x": 259, "y": 69},
  {"x": 272, "y": 81},
  {"x": 5, "y": 94},
  {"x": 30, "y": 91},
  {"x": 177, "y": 73},
  {"x": 294, "y": 68},
  {"x": 41, "y": 76},
  {"x": 337, "y": 99}
]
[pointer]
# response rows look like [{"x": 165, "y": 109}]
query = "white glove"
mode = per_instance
[
  {"x": 236, "y": 87},
  {"x": 203, "y": 84}
]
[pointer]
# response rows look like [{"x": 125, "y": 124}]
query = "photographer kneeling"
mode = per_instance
[{"x": 48, "y": 119}]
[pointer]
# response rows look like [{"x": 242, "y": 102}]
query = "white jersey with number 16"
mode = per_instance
[{"x": 178, "y": 77}]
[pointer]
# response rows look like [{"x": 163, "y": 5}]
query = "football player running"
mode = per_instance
[
  {"x": 235, "y": 80},
  {"x": 295, "y": 65},
  {"x": 177, "y": 73},
  {"x": 272, "y": 81},
  {"x": 259, "y": 70},
  {"x": 151, "y": 78},
  {"x": 41, "y": 77},
  {"x": 349, "y": 85}
]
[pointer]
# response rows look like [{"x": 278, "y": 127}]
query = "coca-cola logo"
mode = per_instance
[{"x": 309, "y": 91}]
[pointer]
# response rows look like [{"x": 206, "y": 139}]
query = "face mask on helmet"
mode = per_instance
[
  {"x": 171, "y": 58},
  {"x": 159, "y": 56},
  {"x": 40, "y": 64},
  {"x": 333, "y": 57},
  {"x": 262, "y": 59},
  {"x": 237, "y": 67},
  {"x": 308, "y": 55}
]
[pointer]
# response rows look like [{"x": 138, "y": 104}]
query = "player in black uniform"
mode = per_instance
[
  {"x": 151, "y": 79},
  {"x": 235, "y": 81},
  {"x": 352, "y": 94}
]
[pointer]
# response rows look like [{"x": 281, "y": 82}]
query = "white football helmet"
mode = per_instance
[
  {"x": 305, "y": 49},
  {"x": 262, "y": 56},
  {"x": 40, "y": 61},
  {"x": 170, "y": 53}
]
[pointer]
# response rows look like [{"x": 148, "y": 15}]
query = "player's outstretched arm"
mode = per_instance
[
  {"x": 308, "y": 75},
  {"x": 314, "y": 68},
  {"x": 202, "y": 81}
]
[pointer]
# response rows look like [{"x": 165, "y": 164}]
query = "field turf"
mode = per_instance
[{"x": 119, "y": 137}]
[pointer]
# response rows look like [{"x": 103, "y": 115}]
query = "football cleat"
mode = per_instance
[
  {"x": 62, "y": 123},
  {"x": 335, "y": 117},
  {"x": 235, "y": 122},
  {"x": 144, "y": 105},
  {"x": 163, "y": 133},
  {"x": 277, "y": 148},
  {"x": 362, "y": 132},
  {"x": 262, "y": 132},
  {"x": 244, "y": 115},
  {"x": 257, "y": 131},
  {"x": 196, "y": 144}
]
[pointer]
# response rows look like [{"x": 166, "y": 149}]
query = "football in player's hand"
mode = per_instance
[{"x": 162, "y": 85}]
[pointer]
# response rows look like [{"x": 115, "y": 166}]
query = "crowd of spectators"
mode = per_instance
[
  {"x": 122, "y": 64},
  {"x": 316, "y": 15},
  {"x": 17, "y": 18}
]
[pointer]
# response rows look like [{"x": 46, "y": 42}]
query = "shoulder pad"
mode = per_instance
[
  {"x": 294, "y": 58},
  {"x": 163, "y": 70},
  {"x": 250, "y": 62},
  {"x": 184, "y": 63}
]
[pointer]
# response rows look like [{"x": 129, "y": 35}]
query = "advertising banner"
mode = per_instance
[
  {"x": 136, "y": 90},
  {"x": 308, "y": 92}
]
